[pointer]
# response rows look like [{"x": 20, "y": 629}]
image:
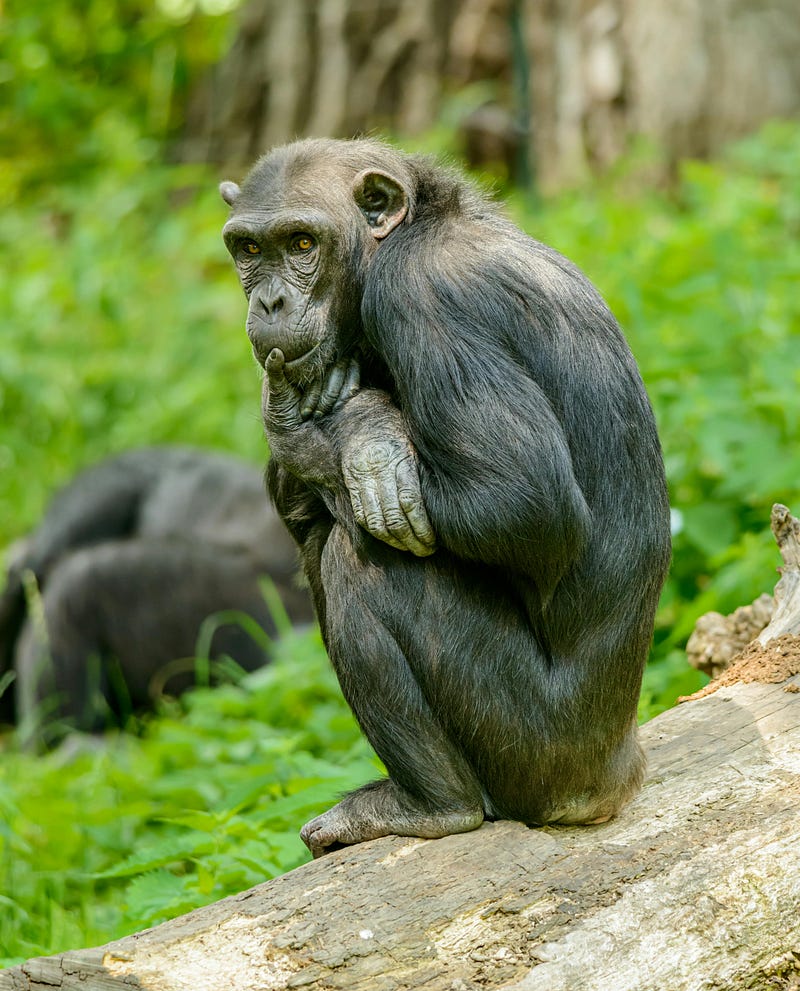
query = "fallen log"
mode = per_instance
[{"x": 696, "y": 885}]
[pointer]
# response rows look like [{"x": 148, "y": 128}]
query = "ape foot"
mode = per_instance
[{"x": 381, "y": 809}]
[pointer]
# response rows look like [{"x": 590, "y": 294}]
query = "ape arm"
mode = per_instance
[
  {"x": 495, "y": 463},
  {"x": 358, "y": 458}
]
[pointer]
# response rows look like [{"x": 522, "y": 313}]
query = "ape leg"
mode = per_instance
[
  {"x": 431, "y": 790},
  {"x": 469, "y": 713},
  {"x": 117, "y": 615}
]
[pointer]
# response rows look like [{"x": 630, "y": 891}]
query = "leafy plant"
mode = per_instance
[
  {"x": 108, "y": 835},
  {"x": 98, "y": 86}
]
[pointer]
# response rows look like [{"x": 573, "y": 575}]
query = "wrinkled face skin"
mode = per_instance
[{"x": 302, "y": 230}]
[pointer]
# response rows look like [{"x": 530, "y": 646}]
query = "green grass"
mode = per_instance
[
  {"x": 123, "y": 324},
  {"x": 106, "y": 836}
]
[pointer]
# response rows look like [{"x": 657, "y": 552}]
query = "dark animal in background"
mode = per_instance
[
  {"x": 464, "y": 451},
  {"x": 130, "y": 559}
]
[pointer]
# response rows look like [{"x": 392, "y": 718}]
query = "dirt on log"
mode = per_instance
[{"x": 694, "y": 887}]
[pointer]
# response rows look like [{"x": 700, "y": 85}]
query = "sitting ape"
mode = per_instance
[
  {"x": 130, "y": 559},
  {"x": 464, "y": 451}
]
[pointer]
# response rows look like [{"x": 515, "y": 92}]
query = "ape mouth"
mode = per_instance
[
  {"x": 291, "y": 365},
  {"x": 294, "y": 364}
]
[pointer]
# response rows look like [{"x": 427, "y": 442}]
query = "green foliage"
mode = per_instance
[
  {"x": 97, "y": 84},
  {"x": 122, "y": 325},
  {"x": 106, "y": 836}
]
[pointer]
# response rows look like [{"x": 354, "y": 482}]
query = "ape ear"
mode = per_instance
[
  {"x": 382, "y": 200},
  {"x": 229, "y": 191}
]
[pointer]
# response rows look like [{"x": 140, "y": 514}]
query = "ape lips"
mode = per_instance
[{"x": 463, "y": 449}]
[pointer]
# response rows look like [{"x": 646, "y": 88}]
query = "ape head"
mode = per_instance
[{"x": 303, "y": 229}]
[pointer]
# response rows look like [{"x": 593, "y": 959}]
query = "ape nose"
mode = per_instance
[{"x": 272, "y": 305}]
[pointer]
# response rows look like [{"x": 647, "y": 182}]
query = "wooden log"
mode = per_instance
[{"x": 695, "y": 885}]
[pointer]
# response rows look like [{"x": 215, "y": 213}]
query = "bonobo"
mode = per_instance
[
  {"x": 464, "y": 451},
  {"x": 130, "y": 559}
]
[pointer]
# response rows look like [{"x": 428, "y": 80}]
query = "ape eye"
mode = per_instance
[
  {"x": 302, "y": 242},
  {"x": 251, "y": 248}
]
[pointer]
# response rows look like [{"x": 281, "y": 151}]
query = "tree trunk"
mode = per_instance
[
  {"x": 562, "y": 86},
  {"x": 691, "y": 75},
  {"x": 695, "y": 885}
]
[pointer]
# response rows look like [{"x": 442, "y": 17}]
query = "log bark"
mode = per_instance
[{"x": 695, "y": 885}]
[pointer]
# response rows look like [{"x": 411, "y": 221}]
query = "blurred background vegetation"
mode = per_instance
[{"x": 122, "y": 324}]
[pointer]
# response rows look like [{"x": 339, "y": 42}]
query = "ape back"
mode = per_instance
[{"x": 466, "y": 455}]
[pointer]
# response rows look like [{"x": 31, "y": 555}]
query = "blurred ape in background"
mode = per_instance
[{"x": 130, "y": 561}]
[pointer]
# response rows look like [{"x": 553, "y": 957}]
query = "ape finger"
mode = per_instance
[
  {"x": 331, "y": 389},
  {"x": 410, "y": 499},
  {"x": 371, "y": 499},
  {"x": 311, "y": 400},
  {"x": 366, "y": 506},
  {"x": 406, "y": 519},
  {"x": 282, "y": 410},
  {"x": 352, "y": 383}
]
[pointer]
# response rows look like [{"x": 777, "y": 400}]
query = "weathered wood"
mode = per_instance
[
  {"x": 786, "y": 617},
  {"x": 759, "y": 642},
  {"x": 717, "y": 639},
  {"x": 695, "y": 885}
]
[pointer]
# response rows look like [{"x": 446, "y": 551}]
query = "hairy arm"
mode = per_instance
[
  {"x": 352, "y": 448},
  {"x": 496, "y": 473}
]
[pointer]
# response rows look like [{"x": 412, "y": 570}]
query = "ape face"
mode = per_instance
[{"x": 302, "y": 235}]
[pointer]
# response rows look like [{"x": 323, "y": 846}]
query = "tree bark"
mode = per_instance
[
  {"x": 556, "y": 87},
  {"x": 695, "y": 885},
  {"x": 690, "y": 75}
]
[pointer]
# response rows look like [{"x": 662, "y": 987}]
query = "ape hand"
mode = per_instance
[
  {"x": 281, "y": 401},
  {"x": 378, "y": 463},
  {"x": 382, "y": 479},
  {"x": 331, "y": 393},
  {"x": 297, "y": 443}
]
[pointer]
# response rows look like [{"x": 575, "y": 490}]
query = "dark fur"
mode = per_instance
[
  {"x": 130, "y": 559},
  {"x": 498, "y": 676}
]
